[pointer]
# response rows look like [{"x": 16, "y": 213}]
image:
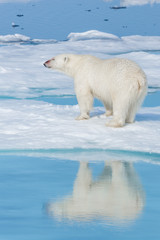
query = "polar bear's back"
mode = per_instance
[
  {"x": 116, "y": 68},
  {"x": 111, "y": 76},
  {"x": 109, "y": 70}
]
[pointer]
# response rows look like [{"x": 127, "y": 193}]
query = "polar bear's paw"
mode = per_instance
[
  {"x": 109, "y": 113},
  {"x": 115, "y": 123},
  {"x": 82, "y": 117}
]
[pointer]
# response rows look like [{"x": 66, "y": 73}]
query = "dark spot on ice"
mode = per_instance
[
  {"x": 89, "y": 10},
  {"x": 118, "y": 7},
  {"x": 106, "y": 20},
  {"x": 20, "y": 15},
  {"x": 15, "y": 25}
]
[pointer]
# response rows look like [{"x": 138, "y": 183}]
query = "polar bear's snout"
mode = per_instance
[{"x": 48, "y": 63}]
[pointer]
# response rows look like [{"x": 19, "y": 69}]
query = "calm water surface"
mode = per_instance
[{"x": 49, "y": 198}]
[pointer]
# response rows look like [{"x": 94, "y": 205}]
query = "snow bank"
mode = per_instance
[
  {"x": 95, "y": 41},
  {"x": 112, "y": 44},
  {"x": 93, "y": 34},
  {"x": 28, "y": 124},
  {"x": 139, "y": 43},
  {"x": 19, "y": 38},
  {"x": 14, "y": 38}
]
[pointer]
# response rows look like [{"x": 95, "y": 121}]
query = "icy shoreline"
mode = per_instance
[{"x": 37, "y": 125}]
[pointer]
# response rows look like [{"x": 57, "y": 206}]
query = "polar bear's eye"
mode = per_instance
[{"x": 65, "y": 59}]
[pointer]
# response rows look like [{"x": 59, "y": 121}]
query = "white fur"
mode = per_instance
[{"x": 119, "y": 83}]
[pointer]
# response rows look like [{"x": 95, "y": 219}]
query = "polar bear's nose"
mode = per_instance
[{"x": 46, "y": 63}]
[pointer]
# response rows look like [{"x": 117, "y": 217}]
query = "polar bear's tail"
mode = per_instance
[
  {"x": 142, "y": 88},
  {"x": 137, "y": 96}
]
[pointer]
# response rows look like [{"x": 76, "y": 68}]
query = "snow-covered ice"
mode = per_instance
[
  {"x": 93, "y": 34},
  {"x": 27, "y": 123}
]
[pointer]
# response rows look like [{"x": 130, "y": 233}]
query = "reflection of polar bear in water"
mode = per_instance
[
  {"x": 117, "y": 195},
  {"x": 119, "y": 83}
]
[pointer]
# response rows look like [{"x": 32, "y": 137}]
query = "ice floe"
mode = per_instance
[
  {"x": 27, "y": 124},
  {"x": 93, "y": 34}
]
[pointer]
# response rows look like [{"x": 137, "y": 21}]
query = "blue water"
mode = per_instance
[
  {"x": 29, "y": 184},
  {"x": 152, "y": 100},
  {"x": 46, "y": 19}
]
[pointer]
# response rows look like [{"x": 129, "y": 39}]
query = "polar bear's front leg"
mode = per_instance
[
  {"x": 85, "y": 102},
  {"x": 82, "y": 116}
]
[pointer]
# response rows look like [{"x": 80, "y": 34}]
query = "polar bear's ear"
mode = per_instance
[{"x": 66, "y": 59}]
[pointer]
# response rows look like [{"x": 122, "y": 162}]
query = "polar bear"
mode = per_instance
[{"x": 119, "y": 83}]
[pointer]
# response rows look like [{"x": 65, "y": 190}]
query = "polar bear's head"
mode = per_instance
[
  {"x": 58, "y": 62},
  {"x": 63, "y": 62}
]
